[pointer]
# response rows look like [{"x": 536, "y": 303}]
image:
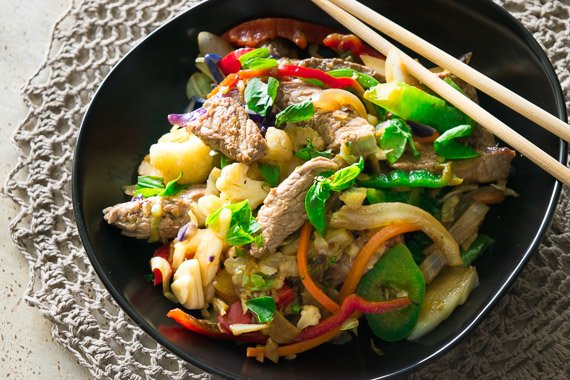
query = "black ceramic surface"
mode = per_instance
[{"x": 129, "y": 113}]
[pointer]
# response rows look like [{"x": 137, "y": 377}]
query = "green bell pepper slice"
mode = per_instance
[
  {"x": 411, "y": 103},
  {"x": 414, "y": 178},
  {"x": 394, "y": 275}
]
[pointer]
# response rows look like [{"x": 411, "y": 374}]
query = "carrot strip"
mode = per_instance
[
  {"x": 224, "y": 85},
  {"x": 295, "y": 348},
  {"x": 312, "y": 288},
  {"x": 370, "y": 248}
]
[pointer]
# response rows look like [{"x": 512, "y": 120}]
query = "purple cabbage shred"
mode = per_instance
[
  {"x": 182, "y": 232},
  {"x": 183, "y": 119}
]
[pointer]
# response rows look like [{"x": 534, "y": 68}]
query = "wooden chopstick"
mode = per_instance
[
  {"x": 467, "y": 73},
  {"x": 473, "y": 110}
]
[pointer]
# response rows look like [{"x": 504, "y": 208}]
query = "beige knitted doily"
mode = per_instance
[{"x": 527, "y": 334}]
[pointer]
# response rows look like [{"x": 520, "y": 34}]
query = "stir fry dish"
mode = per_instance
[{"x": 311, "y": 186}]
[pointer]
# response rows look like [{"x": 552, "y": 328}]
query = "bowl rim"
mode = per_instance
[{"x": 476, "y": 318}]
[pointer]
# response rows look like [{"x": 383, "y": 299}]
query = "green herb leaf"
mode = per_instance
[
  {"x": 480, "y": 245},
  {"x": 295, "y": 113},
  {"x": 320, "y": 191},
  {"x": 257, "y": 53},
  {"x": 315, "y": 205},
  {"x": 446, "y": 146},
  {"x": 150, "y": 186},
  {"x": 260, "y": 96},
  {"x": 258, "y": 63},
  {"x": 309, "y": 152},
  {"x": 173, "y": 187},
  {"x": 345, "y": 177},
  {"x": 263, "y": 307},
  {"x": 396, "y": 134},
  {"x": 243, "y": 227},
  {"x": 270, "y": 174},
  {"x": 450, "y": 82}
]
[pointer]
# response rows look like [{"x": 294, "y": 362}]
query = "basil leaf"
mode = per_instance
[
  {"x": 173, "y": 187},
  {"x": 315, "y": 205},
  {"x": 150, "y": 182},
  {"x": 295, "y": 113},
  {"x": 320, "y": 191},
  {"x": 258, "y": 63},
  {"x": 150, "y": 186},
  {"x": 263, "y": 307},
  {"x": 270, "y": 174},
  {"x": 260, "y": 96},
  {"x": 345, "y": 177},
  {"x": 243, "y": 227},
  {"x": 446, "y": 146},
  {"x": 396, "y": 135},
  {"x": 257, "y": 53},
  {"x": 309, "y": 152}
]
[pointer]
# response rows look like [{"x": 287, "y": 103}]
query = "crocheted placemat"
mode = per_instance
[{"x": 526, "y": 335}]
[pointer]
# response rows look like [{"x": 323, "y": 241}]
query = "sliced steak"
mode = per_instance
[
  {"x": 283, "y": 211},
  {"x": 135, "y": 218},
  {"x": 326, "y": 64},
  {"x": 280, "y": 47},
  {"x": 335, "y": 127},
  {"x": 492, "y": 165},
  {"x": 224, "y": 125}
]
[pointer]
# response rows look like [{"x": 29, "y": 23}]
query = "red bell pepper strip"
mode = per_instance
[
  {"x": 350, "y": 305},
  {"x": 308, "y": 73},
  {"x": 285, "y": 295},
  {"x": 203, "y": 328},
  {"x": 230, "y": 62},
  {"x": 164, "y": 252},
  {"x": 349, "y": 42},
  {"x": 233, "y": 315},
  {"x": 255, "y": 32}
]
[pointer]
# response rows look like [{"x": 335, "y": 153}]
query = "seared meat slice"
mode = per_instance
[
  {"x": 343, "y": 127},
  {"x": 283, "y": 211},
  {"x": 326, "y": 64},
  {"x": 224, "y": 125},
  {"x": 135, "y": 217},
  {"x": 280, "y": 47},
  {"x": 292, "y": 92},
  {"x": 335, "y": 127},
  {"x": 492, "y": 165}
]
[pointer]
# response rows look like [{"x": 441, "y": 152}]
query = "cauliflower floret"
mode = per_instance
[
  {"x": 179, "y": 151},
  {"x": 310, "y": 316},
  {"x": 280, "y": 147},
  {"x": 301, "y": 135},
  {"x": 236, "y": 186}
]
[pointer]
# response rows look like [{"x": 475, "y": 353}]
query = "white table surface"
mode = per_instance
[{"x": 26, "y": 347}]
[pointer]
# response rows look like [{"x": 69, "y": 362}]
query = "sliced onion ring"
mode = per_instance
[{"x": 383, "y": 214}]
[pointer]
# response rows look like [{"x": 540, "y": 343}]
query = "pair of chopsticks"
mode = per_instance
[{"x": 347, "y": 11}]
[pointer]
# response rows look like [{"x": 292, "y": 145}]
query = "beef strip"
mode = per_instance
[
  {"x": 492, "y": 165},
  {"x": 280, "y": 47},
  {"x": 225, "y": 126},
  {"x": 134, "y": 218},
  {"x": 326, "y": 64},
  {"x": 335, "y": 127},
  {"x": 283, "y": 211}
]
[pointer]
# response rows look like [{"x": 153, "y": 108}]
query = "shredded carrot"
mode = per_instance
[
  {"x": 312, "y": 288},
  {"x": 370, "y": 248},
  {"x": 224, "y": 85},
  {"x": 427, "y": 139},
  {"x": 294, "y": 348}
]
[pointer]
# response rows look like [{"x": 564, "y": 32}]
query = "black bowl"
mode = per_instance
[{"x": 129, "y": 112}]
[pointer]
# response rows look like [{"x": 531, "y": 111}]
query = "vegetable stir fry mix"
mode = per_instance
[{"x": 312, "y": 182}]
